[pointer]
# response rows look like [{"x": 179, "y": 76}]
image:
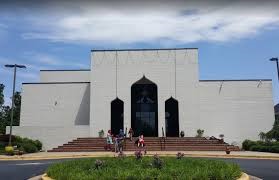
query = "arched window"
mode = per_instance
[
  {"x": 172, "y": 117},
  {"x": 144, "y": 108},
  {"x": 117, "y": 108}
]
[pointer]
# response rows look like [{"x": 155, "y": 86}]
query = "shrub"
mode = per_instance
[
  {"x": 9, "y": 150},
  {"x": 138, "y": 155},
  {"x": 179, "y": 155},
  {"x": 29, "y": 148},
  {"x": 221, "y": 136},
  {"x": 38, "y": 144},
  {"x": 182, "y": 134},
  {"x": 247, "y": 144},
  {"x": 274, "y": 149},
  {"x": 99, "y": 164},
  {"x": 101, "y": 133},
  {"x": 157, "y": 162},
  {"x": 261, "y": 146},
  {"x": 200, "y": 133},
  {"x": 27, "y": 145}
]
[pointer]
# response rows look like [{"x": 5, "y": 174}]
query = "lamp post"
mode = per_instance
[
  {"x": 276, "y": 59},
  {"x": 12, "y": 111}
]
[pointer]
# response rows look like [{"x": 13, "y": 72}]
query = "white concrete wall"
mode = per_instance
[
  {"x": 65, "y": 76},
  {"x": 59, "y": 105},
  {"x": 51, "y": 137},
  {"x": 238, "y": 109},
  {"x": 159, "y": 67}
]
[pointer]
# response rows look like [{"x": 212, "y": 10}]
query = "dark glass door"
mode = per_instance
[
  {"x": 144, "y": 116},
  {"x": 117, "y": 108},
  {"x": 172, "y": 117}
]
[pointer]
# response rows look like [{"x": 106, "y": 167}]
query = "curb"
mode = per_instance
[
  {"x": 14, "y": 158},
  {"x": 243, "y": 176},
  {"x": 45, "y": 177}
]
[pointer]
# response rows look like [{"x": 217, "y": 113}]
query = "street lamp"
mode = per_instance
[
  {"x": 12, "y": 111},
  {"x": 276, "y": 59}
]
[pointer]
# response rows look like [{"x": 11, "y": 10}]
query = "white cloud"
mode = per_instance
[
  {"x": 180, "y": 23},
  {"x": 46, "y": 61}
]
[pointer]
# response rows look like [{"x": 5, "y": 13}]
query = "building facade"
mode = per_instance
[{"x": 157, "y": 92}]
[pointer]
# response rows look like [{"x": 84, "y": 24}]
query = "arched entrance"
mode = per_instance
[
  {"x": 117, "y": 108},
  {"x": 144, "y": 108},
  {"x": 172, "y": 117}
]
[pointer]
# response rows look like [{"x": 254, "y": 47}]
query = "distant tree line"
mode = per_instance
[{"x": 5, "y": 111}]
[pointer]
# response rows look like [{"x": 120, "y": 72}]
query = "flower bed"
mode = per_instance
[{"x": 144, "y": 168}]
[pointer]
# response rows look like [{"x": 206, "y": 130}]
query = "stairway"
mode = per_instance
[{"x": 91, "y": 144}]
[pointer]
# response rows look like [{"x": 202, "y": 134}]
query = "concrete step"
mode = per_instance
[{"x": 89, "y": 144}]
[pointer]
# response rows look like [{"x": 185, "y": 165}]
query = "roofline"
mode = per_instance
[
  {"x": 156, "y": 49},
  {"x": 235, "y": 80},
  {"x": 65, "y": 70},
  {"x": 57, "y": 83}
]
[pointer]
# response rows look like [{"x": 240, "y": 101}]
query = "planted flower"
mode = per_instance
[
  {"x": 99, "y": 164},
  {"x": 138, "y": 155},
  {"x": 157, "y": 162},
  {"x": 179, "y": 155}
]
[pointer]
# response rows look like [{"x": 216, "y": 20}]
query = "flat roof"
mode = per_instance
[
  {"x": 56, "y": 83},
  {"x": 212, "y": 80},
  {"x": 65, "y": 70},
  {"x": 136, "y": 49}
]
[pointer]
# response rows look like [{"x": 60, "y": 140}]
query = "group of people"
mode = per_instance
[{"x": 118, "y": 140}]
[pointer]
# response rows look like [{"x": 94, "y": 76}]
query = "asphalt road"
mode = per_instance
[{"x": 18, "y": 170}]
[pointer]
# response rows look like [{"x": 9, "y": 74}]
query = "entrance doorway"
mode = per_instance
[
  {"x": 172, "y": 117},
  {"x": 117, "y": 108},
  {"x": 144, "y": 108}
]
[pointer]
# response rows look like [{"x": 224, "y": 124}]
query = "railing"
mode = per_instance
[{"x": 163, "y": 140}]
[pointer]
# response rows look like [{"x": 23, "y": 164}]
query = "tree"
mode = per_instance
[
  {"x": 262, "y": 136},
  {"x": 17, "y": 104},
  {"x": 274, "y": 132},
  {"x": 1, "y": 94},
  {"x": 5, "y": 111},
  {"x": 2, "y": 111}
]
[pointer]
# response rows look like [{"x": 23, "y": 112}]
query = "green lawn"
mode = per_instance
[{"x": 145, "y": 168}]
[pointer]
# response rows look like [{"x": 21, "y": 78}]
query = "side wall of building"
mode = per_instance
[
  {"x": 238, "y": 109},
  {"x": 54, "y": 113},
  {"x": 55, "y": 104},
  {"x": 65, "y": 76},
  {"x": 175, "y": 72}
]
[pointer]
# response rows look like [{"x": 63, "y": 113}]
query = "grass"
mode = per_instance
[{"x": 130, "y": 168}]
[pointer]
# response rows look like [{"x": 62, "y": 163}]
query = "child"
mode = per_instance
[
  {"x": 141, "y": 141},
  {"x": 109, "y": 140}
]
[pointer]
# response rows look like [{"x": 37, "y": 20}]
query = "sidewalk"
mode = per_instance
[{"x": 214, "y": 154}]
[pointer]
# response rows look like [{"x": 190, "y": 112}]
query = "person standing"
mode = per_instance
[
  {"x": 131, "y": 133},
  {"x": 109, "y": 140}
]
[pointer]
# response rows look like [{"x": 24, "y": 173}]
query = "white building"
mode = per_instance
[{"x": 150, "y": 90}]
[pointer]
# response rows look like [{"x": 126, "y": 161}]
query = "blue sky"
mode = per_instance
[{"x": 235, "y": 40}]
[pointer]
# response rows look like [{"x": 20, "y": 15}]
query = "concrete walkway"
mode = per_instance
[{"x": 216, "y": 154}]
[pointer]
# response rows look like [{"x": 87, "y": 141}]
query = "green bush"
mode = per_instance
[
  {"x": 29, "y": 148},
  {"x": 130, "y": 168},
  {"x": 274, "y": 149},
  {"x": 261, "y": 146},
  {"x": 247, "y": 144},
  {"x": 27, "y": 145},
  {"x": 38, "y": 144}
]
